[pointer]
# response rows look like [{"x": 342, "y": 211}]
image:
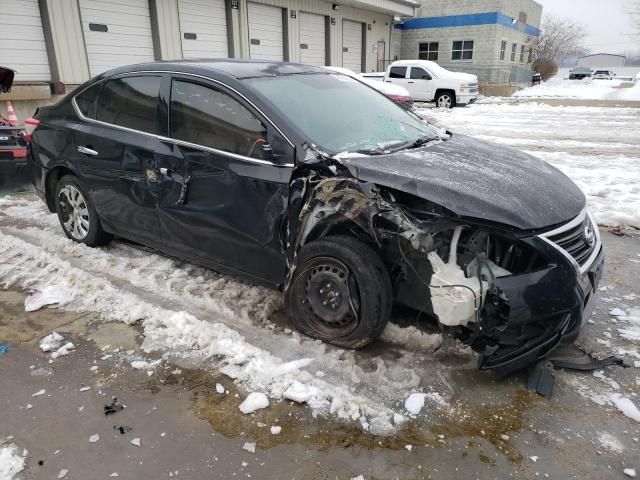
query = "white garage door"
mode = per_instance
[
  {"x": 22, "y": 46},
  {"x": 312, "y": 39},
  {"x": 352, "y": 45},
  {"x": 266, "y": 37},
  {"x": 203, "y": 28},
  {"x": 116, "y": 33}
]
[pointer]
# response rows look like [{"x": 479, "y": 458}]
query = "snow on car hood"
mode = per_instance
[
  {"x": 465, "y": 77},
  {"x": 478, "y": 179}
]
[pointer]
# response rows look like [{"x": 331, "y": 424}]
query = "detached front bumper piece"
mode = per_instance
[{"x": 526, "y": 317}]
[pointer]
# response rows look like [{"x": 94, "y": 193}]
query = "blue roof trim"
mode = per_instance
[{"x": 488, "y": 18}]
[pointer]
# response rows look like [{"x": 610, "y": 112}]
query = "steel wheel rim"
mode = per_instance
[
  {"x": 331, "y": 296},
  {"x": 444, "y": 101},
  {"x": 75, "y": 212}
]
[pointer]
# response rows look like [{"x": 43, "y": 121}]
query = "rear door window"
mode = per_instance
[
  {"x": 398, "y": 72},
  {"x": 419, "y": 74},
  {"x": 130, "y": 102},
  {"x": 210, "y": 117}
]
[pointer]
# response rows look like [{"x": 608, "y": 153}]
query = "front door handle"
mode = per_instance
[
  {"x": 411, "y": 82},
  {"x": 87, "y": 151}
]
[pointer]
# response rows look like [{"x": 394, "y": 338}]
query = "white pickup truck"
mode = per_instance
[{"x": 428, "y": 82}]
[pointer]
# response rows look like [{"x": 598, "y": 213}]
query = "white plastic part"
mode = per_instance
[{"x": 454, "y": 305}]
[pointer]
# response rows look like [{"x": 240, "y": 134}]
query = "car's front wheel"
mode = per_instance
[
  {"x": 340, "y": 292},
  {"x": 77, "y": 214},
  {"x": 445, "y": 100}
]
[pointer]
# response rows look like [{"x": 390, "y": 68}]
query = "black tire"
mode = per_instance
[
  {"x": 351, "y": 278},
  {"x": 78, "y": 211},
  {"x": 445, "y": 100}
]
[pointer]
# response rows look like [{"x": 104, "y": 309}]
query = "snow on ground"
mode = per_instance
[
  {"x": 558, "y": 87},
  {"x": 11, "y": 461},
  {"x": 598, "y": 148},
  {"x": 203, "y": 316}
]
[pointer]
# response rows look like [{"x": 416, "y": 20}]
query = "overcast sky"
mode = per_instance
[{"x": 605, "y": 20}]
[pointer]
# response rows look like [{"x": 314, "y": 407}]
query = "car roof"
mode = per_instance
[
  {"x": 408, "y": 63},
  {"x": 237, "y": 68}
]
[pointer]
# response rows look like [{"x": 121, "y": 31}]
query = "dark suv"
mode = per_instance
[{"x": 315, "y": 184}]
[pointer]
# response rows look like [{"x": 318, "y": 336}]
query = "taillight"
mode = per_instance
[{"x": 30, "y": 125}]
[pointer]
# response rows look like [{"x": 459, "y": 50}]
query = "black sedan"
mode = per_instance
[{"x": 315, "y": 184}]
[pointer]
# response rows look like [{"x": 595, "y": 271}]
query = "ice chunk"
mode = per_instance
[
  {"x": 414, "y": 403},
  {"x": 219, "y": 388},
  {"x": 276, "y": 429},
  {"x": 51, "y": 342},
  {"x": 630, "y": 472},
  {"x": 94, "y": 438},
  {"x": 135, "y": 441},
  {"x": 11, "y": 462},
  {"x": 38, "y": 393},
  {"x": 63, "y": 350},
  {"x": 408, "y": 447},
  {"x": 63, "y": 473},
  {"x": 254, "y": 401},
  {"x": 626, "y": 406},
  {"x": 616, "y": 312},
  {"x": 298, "y": 392},
  {"x": 249, "y": 447}
]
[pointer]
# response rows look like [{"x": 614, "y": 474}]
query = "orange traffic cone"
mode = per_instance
[{"x": 11, "y": 114}]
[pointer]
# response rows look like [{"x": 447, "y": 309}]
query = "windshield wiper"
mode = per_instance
[{"x": 416, "y": 143}]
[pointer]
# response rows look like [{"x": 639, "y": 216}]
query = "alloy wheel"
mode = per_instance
[
  {"x": 444, "y": 101},
  {"x": 75, "y": 213}
]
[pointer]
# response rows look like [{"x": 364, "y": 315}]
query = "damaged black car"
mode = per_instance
[{"x": 315, "y": 184}]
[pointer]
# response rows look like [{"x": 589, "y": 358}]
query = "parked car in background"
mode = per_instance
[
  {"x": 396, "y": 93},
  {"x": 603, "y": 75},
  {"x": 314, "y": 184},
  {"x": 579, "y": 73},
  {"x": 13, "y": 146},
  {"x": 428, "y": 82}
]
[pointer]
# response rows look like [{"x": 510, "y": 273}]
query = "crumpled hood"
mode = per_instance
[{"x": 477, "y": 179}]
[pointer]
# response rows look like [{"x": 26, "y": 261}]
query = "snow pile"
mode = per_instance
[
  {"x": 597, "y": 147},
  {"x": 587, "y": 89},
  {"x": 626, "y": 406},
  {"x": 11, "y": 462},
  {"x": 201, "y": 316},
  {"x": 51, "y": 342}
]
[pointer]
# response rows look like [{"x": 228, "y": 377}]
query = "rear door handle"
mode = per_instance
[{"x": 87, "y": 151}]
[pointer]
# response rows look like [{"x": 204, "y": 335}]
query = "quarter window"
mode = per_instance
[
  {"x": 86, "y": 101},
  {"x": 462, "y": 50},
  {"x": 428, "y": 51},
  {"x": 210, "y": 117},
  {"x": 398, "y": 72},
  {"x": 503, "y": 49},
  {"x": 130, "y": 102},
  {"x": 514, "y": 47}
]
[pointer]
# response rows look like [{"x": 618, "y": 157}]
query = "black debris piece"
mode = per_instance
[
  {"x": 122, "y": 429},
  {"x": 541, "y": 379},
  {"x": 113, "y": 407}
]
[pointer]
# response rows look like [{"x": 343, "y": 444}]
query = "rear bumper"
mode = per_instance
[{"x": 14, "y": 169}]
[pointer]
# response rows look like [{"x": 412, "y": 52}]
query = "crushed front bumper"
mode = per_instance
[{"x": 526, "y": 317}]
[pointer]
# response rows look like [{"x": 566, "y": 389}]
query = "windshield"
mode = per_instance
[{"x": 340, "y": 114}]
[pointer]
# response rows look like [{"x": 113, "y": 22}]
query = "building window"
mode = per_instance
[
  {"x": 522, "y": 17},
  {"x": 514, "y": 47},
  {"x": 522, "y": 47},
  {"x": 503, "y": 49},
  {"x": 530, "y": 59},
  {"x": 428, "y": 51},
  {"x": 462, "y": 50}
]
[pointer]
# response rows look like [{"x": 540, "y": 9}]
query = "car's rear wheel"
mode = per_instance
[
  {"x": 77, "y": 214},
  {"x": 340, "y": 292},
  {"x": 445, "y": 100}
]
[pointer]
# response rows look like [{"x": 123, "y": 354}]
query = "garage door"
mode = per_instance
[
  {"x": 266, "y": 35},
  {"x": 312, "y": 39},
  {"x": 116, "y": 33},
  {"x": 352, "y": 45},
  {"x": 203, "y": 28},
  {"x": 22, "y": 46}
]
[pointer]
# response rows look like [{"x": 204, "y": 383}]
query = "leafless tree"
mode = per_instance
[
  {"x": 559, "y": 39},
  {"x": 633, "y": 8}
]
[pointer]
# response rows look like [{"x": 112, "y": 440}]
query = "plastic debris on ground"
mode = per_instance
[
  {"x": 4, "y": 348},
  {"x": 49, "y": 296},
  {"x": 122, "y": 429},
  {"x": 254, "y": 401},
  {"x": 136, "y": 442},
  {"x": 630, "y": 472},
  {"x": 113, "y": 407}
]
